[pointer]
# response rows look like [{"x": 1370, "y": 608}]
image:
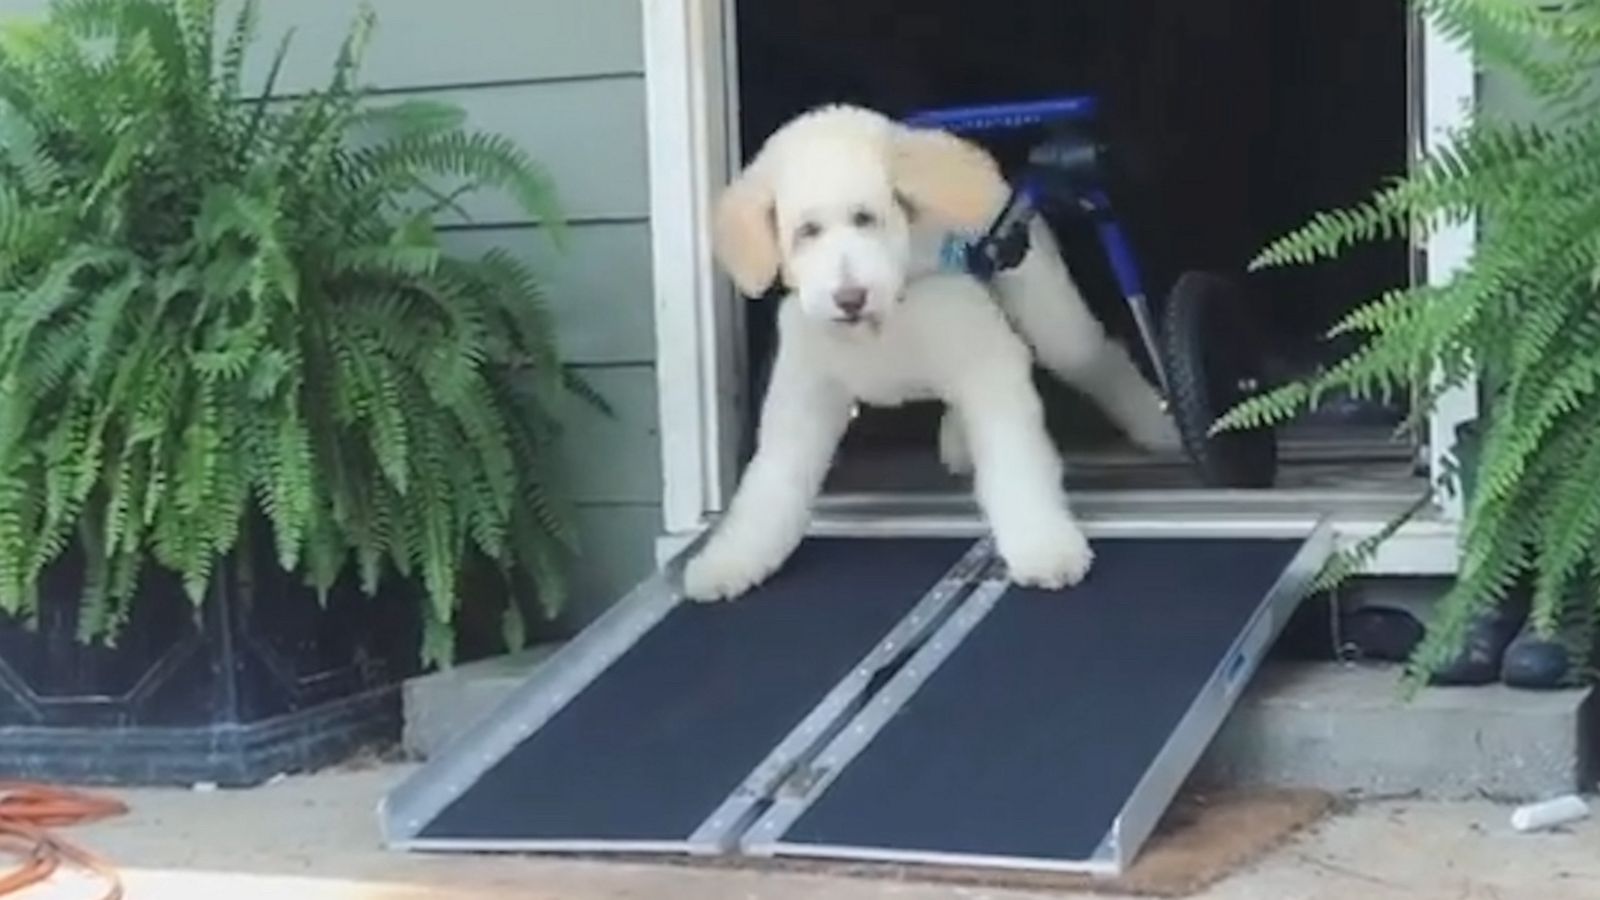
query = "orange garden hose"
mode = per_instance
[{"x": 28, "y": 812}]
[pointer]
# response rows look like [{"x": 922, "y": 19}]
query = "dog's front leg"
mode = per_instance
[
  {"x": 1018, "y": 475},
  {"x": 802, "y": 421}
]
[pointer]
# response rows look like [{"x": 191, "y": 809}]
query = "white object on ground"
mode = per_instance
[{"x": 1549, "y": 814}]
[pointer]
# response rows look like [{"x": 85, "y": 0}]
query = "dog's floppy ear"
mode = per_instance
[
  {"x": 745, "y": 233},
  {"x": 951, "y": 181}
]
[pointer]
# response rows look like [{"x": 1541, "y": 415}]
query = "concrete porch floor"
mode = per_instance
[{"x": 314, "y": 838}]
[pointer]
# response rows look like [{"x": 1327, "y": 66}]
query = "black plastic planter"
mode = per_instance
[{"x": 261, "y": 679}]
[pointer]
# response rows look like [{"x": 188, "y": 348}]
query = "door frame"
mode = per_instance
[{"x": 690, "y": 58}]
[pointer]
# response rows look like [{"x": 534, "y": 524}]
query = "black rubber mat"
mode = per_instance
[
  {"x": 1033, "y": 734},
  {"x": 675, "y": 724}
]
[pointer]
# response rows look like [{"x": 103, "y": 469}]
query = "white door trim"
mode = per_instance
[
  {"x": 1449, "y": 98},
  {"x": 697, "y": 357}
]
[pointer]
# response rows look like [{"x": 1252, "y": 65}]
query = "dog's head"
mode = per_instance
[{"x": 829, "y": 202}]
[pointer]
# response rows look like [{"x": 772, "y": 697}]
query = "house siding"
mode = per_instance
[{"x": 565, "y": 80}]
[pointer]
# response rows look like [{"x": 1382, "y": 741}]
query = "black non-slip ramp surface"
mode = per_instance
[
  {"x": 648, "y": 750},
  {"x": 1029, "y": 739}
]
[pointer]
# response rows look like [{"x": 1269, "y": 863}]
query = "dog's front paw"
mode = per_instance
[
  {"x": 713, "y": 576},
  {"x": 1049, "y": 557}
]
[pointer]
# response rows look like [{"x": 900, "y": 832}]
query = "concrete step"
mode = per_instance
[
  {"x": 441, "y": 705},
  {"x": 1346, "y": 728},
  {"x": 1336, "y": 727}
]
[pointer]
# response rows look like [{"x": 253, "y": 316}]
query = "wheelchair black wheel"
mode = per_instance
[{"x": 1213, "y": 361}]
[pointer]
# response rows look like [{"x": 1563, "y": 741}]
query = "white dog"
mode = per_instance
[{"x": 851, "y": 208}]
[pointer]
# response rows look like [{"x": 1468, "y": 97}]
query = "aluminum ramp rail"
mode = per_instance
[{"x": 886, "y": 699}]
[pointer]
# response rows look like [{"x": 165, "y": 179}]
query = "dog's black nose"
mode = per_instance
[{"x": 850, "y": 300}]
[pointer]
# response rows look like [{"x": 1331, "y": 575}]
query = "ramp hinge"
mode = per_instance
[{"x": 802, "y": 781}]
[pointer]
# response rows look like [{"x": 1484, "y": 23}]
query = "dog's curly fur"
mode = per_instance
[{"x": 849, "y": 208}]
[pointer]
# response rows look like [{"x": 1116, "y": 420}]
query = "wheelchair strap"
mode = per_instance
[{"x": 999, "y": 248}]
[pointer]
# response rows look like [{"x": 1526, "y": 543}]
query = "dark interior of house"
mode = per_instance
[{"x": 1229, "y": 122}]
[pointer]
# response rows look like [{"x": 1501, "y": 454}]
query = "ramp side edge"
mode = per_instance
[{"x": 1205, "y": 716}]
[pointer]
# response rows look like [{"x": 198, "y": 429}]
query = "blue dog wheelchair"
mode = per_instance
[{"x": 1203, "y": 350}]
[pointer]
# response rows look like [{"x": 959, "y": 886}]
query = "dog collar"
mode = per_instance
[
  {"x": 1001, "y": 246},
  {"x": 954, "y": 252}
]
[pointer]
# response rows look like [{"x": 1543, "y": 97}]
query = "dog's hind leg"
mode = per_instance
[
  {"x": 802, "y": 421},
  {"x": 1044, "y": 303}
]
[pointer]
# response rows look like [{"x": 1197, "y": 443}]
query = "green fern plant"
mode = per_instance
[
  {"x": 1522, "y": 318},
  {"x": 217, "y": 310}
]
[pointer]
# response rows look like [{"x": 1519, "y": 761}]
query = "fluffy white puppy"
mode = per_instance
[{"x": 850, "y": 209}]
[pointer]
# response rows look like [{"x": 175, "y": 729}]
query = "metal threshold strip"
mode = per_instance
[{"x": 885, "y": 698}]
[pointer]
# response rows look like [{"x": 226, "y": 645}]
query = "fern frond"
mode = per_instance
[
  {"x": 230, "y": 72},
  {"x": 407, "y": 118},
  {"x": 482, "y": 159}
]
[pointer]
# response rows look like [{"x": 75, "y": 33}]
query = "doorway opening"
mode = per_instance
[{"x": 1229, "y": 123}]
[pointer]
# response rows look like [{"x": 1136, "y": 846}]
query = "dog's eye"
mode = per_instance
[
  {"x": 864, "y": 218},
  {"x": 807, "y": 231}
]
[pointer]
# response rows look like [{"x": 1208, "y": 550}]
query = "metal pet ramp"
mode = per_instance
[{"x": 889, "y": 698}]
